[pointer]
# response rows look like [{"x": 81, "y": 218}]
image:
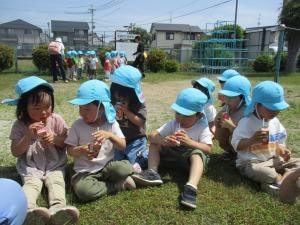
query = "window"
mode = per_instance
[
  {"x": 154, "y": 36},
  {"x": 186, "y": 36},
  {"x": 193, "y": 36},
  {"x": 169, "y": 35},
  {"x": 10, "y": 31},
  {"x": 79, "y": 32},
  {"x": 27, "y": 31}
]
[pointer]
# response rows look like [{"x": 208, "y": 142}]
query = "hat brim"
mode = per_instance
[
  {"x": 139, "y": 93},
  {"x": 182, "y": 111},
  {"x": 81, "y": 101},
  {"x": 10, "y": 101},
  {"x": 276, "y": 106},
  {"x": 229, "y": 93},
  {"x": 222, "y": 79}
]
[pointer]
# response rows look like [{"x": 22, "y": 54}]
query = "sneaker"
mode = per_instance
[
  {"x": 189, "y": 196},
  {"x": 66, "y": 215},
  {"x": 147, "y": 178},
  {"x": 37, "y": 216},
  {"x": 298, "y": 184},
  {"x": 272, "y": 189},
  {"x": 66, "y": 81},
  {"x": 127, "y": 184}
]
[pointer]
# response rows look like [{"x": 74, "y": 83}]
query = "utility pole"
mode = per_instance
[
  {"x": 92, "y": 10},
  {"x": 48, "y": 30}
]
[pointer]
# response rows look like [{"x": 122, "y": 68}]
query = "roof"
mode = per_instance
[
  {"x": 19, "y": 24},
  {"x": 257, "y": 29},
  {"x": 175, "y": 27},
  {"x": 68, "y": 26}
]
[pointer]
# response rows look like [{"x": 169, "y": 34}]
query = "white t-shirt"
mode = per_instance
[
  {"x": 93, "y": 63},
  {"x": 210, "y": 112},
  {"x": 80, "y": 134},
  {"x": 198, "y": 132},
  {"x": 246, "y": 129}
]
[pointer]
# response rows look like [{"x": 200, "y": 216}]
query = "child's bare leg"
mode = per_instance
[
  {"x": 196, "y": 170},
  {"x": 289, "y": 188},
  {"x": 154, "y": 157}
]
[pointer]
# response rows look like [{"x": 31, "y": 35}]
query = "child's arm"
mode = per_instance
[
  {"x": 101, "y": 136},
  {"x": 135, "y": 119},
  {"x": 185, "y": 140},
  {"x": 168, "y": 141},
  {"x": 257, "y": 138}
]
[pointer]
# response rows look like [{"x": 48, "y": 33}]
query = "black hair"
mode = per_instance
[
  {"x": 204, "y": 90},
  {"x": 138, "y": 37},
  {"x": 127, "y": 92},
  {"x": 36, "y": 96}
]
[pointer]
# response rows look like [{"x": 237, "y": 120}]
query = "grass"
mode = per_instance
[{"x": 224, "y": 196}]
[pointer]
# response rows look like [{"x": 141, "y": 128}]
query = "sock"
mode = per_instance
[{"x": 191, "y": 185}]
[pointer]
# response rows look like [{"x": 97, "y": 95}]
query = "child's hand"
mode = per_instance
[
  {"x": 171, "y": 141},
  {"x": 33, "y": 128},
  {"x": 124, "y": 107},
  {"x": 284, "y": 153},
  {"x": 47, "y": 138},
  {"x": 184, "y": 139},
  {"x": 83, "y": 149},
  {"x": 218, "y": 119},
  {"x": 93, "y": 150},
  {"x": 258, "y": 137},
  {"x": 228, "y": 123},
  {"x": 100, "y": 136}
]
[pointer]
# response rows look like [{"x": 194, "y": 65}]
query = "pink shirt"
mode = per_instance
[{"x": 37, "y": 160}]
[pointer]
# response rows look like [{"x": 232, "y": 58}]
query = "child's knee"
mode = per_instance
[{"x": 262, "y": 174}]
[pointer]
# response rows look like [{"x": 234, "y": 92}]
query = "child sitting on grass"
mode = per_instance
[
  {"x": 92, "y": 140},
  {"x": 236, "y": 96},
  {"x": 183, "y": 142},
  {"x": 206, "y": 86},
  {"x": 259, "y": 139},
  {"x": 226, "y": 75}
]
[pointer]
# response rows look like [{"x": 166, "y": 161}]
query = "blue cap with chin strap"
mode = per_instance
[
  {"x": 227, "y": 74},
  {"x": 209, "y": 85}
]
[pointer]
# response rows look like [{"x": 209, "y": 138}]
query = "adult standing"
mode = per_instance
[
  {"x": 139, "y": 59},
  {"x": 56, "y": 50}
]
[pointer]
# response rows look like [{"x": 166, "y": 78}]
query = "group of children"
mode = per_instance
[
  {"x": 109, "y": 143},
  {"x": 113, "y": 60},
  {"x": 77, "y": 62}
]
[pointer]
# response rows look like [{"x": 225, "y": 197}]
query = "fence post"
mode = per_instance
[
  {"x": 16, "y": 59},
  {"x": 279, "y": 51}
]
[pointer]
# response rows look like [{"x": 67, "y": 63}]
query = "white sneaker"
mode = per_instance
[
  {"x": 37, "y": 216},
  {"x": 66, "y": 215},
  {"x": 271, "y": 189}
]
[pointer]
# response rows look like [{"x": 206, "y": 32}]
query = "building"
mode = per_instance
[
  {"x": 261, "y": 39},
  {"x": 21, "y": 35},
  {"x": 73, "y": 34},
  {"x": 169, "y": 35}
]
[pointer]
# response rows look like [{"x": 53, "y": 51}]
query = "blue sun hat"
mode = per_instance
[
  {"x": 122, "y": 54},
  {"x": 237, "y": 85},
  {"x": 95, "y": 90},
  {"x": 270, "y": 95},
  {"x": 107, "y": 55},
  {"x": 80, "y": 53},
  {"x": 209, "y": 85},
  {"x": 114, "y": 53},
  {"x": 227, "y": 74},
  {"x": 189, "y": 101},
  {"x": 27, "y": 84},
  {"x": 129, "y": 76}
]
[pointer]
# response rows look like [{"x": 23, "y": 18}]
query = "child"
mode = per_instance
[
  {"x": 207, "y": 87},
  {"x": 80, "y": 65},
  {"x": 92, "y": 140},
  {"x": 93, "y": 65},
  {"x": 107, "y": 65},
  {"x": 227, "y": 74},
  {"x": 129, "y": 102},
  {"x": 122, "y": 60},
  {"x": 38, "y": 137},
  {"x": 236, "y": 93},
  {"x": 259, "y": 139},
  {"x": 182, "y": 142},
  {"x": 71, "y": 65},
  {"x": 114, "y": 61}
]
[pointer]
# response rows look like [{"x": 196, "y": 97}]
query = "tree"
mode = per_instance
[
  {"x": 290, "y": 16},
  {"x": 230, "y": 29},
  {"x": 146, "y": 37}
]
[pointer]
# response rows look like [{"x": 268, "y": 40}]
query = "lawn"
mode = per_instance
[{"x": 224, "y": 196}]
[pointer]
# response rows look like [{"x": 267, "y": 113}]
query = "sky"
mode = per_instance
[{"x": 110, "y": 15}]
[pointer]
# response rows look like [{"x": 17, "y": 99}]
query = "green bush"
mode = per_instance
[
  {"x": 263, "y": 63},
  {"x": 101, "y": 54},
  {"x": 6, "y": 57},
  {"x": 298, "y": 62},
  {"x": 156, "y": 60},
  {"x": 282, "y": 61},
  {"x": 171, "y": 66},
  {"x": 40, "y": 58}
]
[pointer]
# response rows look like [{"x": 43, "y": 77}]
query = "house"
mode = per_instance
[
  {"x": 73, "y": 34},
  {"x": 21, "y": 35},
  {"x": 170, "y": 36},
  {"x": 261, "y": 39}
]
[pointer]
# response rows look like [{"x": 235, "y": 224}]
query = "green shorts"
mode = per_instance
[{"x": 180, "y": 157}]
